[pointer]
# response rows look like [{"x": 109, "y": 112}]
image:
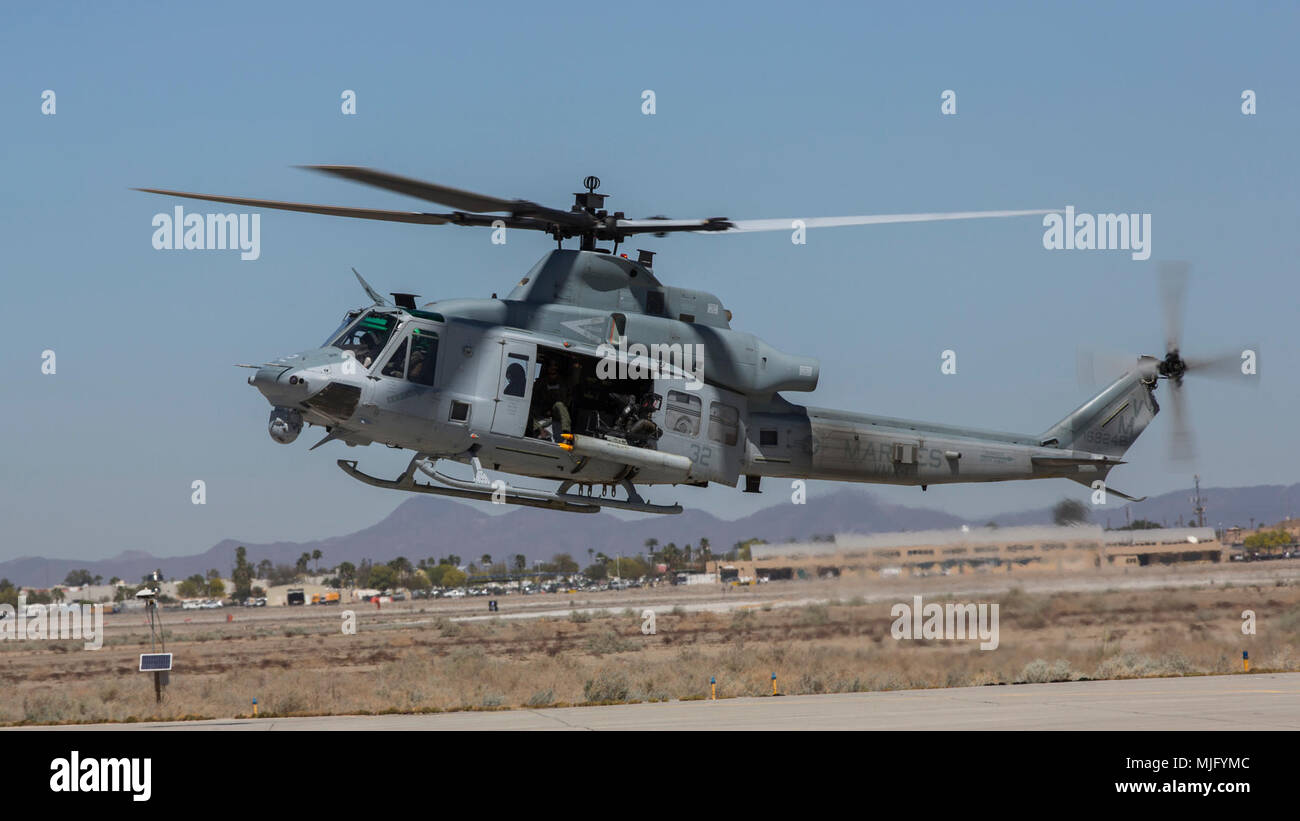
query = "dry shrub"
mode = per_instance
[
  {"x": 607, "y": 685},
  {"x": 1038, "y": 671},
  {"x": 609, "y": 641}
]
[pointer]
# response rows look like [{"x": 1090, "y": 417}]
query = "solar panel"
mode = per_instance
[{"x": 155, "y": 662}]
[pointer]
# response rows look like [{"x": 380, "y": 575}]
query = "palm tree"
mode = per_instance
[
  {"x": 347, "y": 573},
  {"x": 520, "y": 562},
  {"x": 671, "y": 555},
  {"x": 487, "y": 559},
  {"x": 402, "y": 567},
  {"x": 315, "y": 555}
]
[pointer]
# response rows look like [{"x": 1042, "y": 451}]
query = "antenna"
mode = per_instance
[{"x": 1198, "y": 502}]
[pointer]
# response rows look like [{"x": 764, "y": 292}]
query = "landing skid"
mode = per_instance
[
  {"x": 634, "y": 500},
  {"x": 480, "y": 489},
  {"x": 407, "y": 482}
]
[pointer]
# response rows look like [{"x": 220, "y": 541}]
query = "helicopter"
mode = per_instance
[{"x": 593, "y": 373}]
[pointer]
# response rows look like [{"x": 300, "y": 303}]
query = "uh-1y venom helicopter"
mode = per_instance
[{"x": 457, "y": 379}]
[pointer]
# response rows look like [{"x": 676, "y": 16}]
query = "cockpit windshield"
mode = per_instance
[
  {"x": 347, "y": 320},
  {"x": 366, "y": 337}
]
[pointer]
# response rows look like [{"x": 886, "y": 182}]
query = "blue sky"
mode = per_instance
[{"x": 763, "y": 110}]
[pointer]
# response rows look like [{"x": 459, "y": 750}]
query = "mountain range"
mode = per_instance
[{"x": 424, "y": 527}]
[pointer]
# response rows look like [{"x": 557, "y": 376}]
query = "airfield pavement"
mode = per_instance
[
  {"x": 1143, "y": 648},
  {"x": 1233, "y": 702}
]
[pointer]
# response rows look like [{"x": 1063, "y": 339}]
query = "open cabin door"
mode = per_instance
[{"x": 514, "y": 388}]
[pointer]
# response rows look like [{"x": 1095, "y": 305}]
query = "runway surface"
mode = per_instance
[{"x": 1261, "y": 701}]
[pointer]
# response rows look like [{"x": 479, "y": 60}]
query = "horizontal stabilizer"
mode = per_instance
[{"x": 1121, "y": 494}]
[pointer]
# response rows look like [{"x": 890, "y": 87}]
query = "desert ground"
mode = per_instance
[{"x": 831, "y": 636}]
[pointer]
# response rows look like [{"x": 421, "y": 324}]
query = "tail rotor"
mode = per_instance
[{"x": 1174, "y": 366}]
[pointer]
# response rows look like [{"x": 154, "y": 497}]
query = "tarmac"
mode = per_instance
[{"x": 1257, "y": 701}]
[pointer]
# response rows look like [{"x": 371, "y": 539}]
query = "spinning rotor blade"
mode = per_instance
[
  {"x": 667, "y": 226},
  {"x": 1226, "y": 365},
  {"x": 441, "y": 194},
  {"x": 1173, "y": 298},
  {"x": 1095, "y": 369},
  {"x": 1173, "y": 302},
  {"x": 586, "y": 219},
  {"x": 1182, "y": 445},
  {"x": 452, "y": 197},
  {"x": 328, "y": 210},
  {"x": 741, "y": 226}
]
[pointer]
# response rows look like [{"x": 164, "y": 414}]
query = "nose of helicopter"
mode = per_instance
[
  {"x": 315, "y": 380},
  {"x": 283, "y": 386}
]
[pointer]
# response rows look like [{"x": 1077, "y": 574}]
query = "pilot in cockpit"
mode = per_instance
[{"x": 366, "y": 338}]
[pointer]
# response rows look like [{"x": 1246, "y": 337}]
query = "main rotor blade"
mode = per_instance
[
  {"x": 1173, "y": 298},
  {"x": 667, "y": 226},
  {"x": 442, "y": 194},
  {"x": 740, "y": 226},
  {"x": 456, "y": 197},
  {"x": 328, "y": 210}
]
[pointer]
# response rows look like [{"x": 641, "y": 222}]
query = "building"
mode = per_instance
[{"x": 979, "y": 550}]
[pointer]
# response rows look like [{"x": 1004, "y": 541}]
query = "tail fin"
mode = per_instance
[{"x": 1112, "y": 420}]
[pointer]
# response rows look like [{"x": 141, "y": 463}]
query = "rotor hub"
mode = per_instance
[{"x": 1172, "y": 366}]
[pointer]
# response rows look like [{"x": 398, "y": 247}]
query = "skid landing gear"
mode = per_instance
[
  {"x": 633, "y": 501},
  {"x": 474, "y": 491},
  {"x": 481, "y": 489}
]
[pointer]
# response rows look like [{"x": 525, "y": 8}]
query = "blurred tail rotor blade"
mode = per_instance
[
  {"x": 1182, "y": 445},
  {"x": 1226, "y": 365},
  {"x": 1173, "y": 298},
  {"x": 1095, "y": 369},
  {"x": 1085, "y": 370}
]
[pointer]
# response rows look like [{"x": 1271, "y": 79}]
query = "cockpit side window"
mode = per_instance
[
  {"x": 396, "y": 364},
  {"x": 424, "y": 357},
  {"x": 366, "y": 338}
]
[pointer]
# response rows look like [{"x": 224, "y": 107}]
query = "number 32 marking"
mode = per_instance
[{"x": 701, "y": 455}]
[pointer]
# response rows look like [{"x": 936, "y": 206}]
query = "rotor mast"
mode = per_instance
[{"x": 593, "y": 205}]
